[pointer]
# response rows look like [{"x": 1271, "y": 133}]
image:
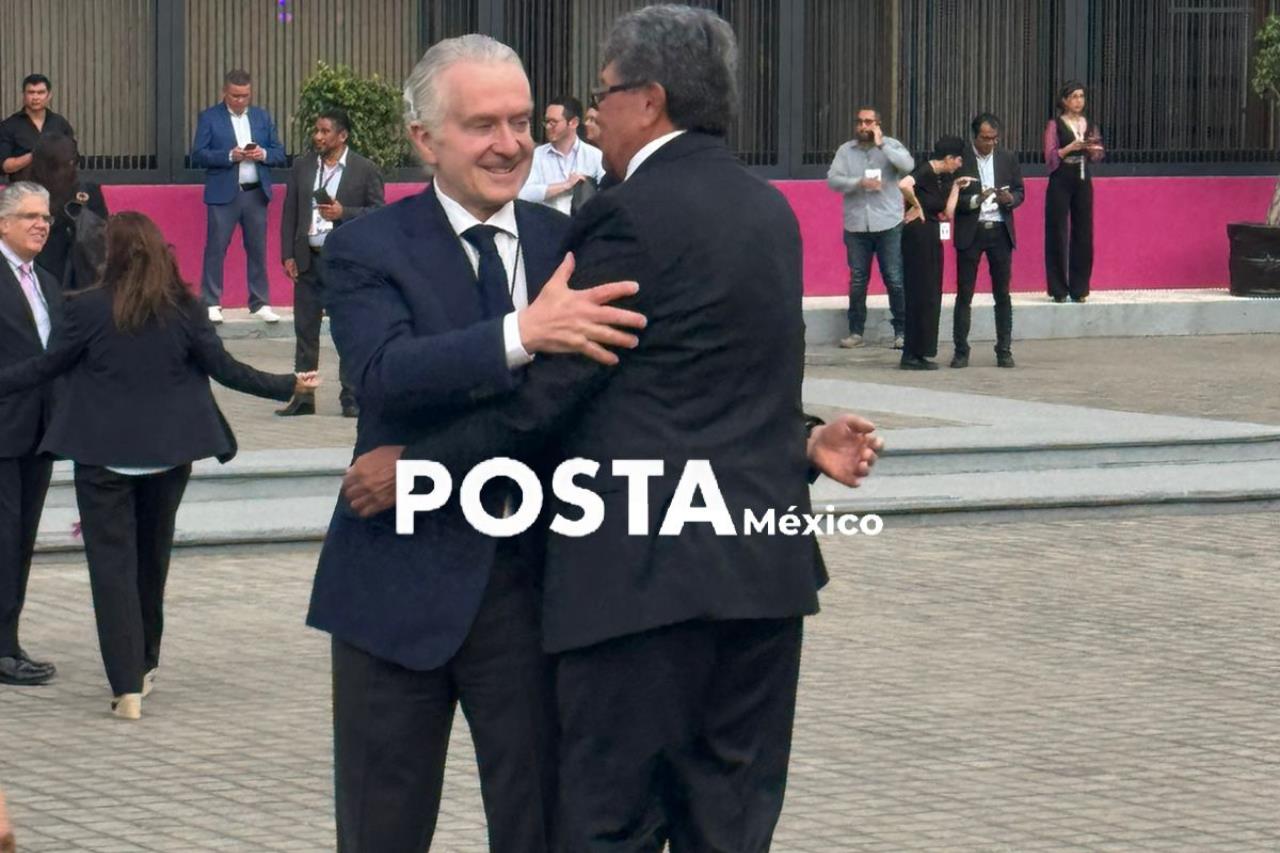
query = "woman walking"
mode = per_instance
[
  {"x": 136, "y": 411},
  {"x": 1071, "y": 144}
]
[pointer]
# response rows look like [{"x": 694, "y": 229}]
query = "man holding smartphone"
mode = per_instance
[
  {"x": 236, "y": 145},
  {"x": 334, "y": 186},
  {"x": 984, "y": 225}
]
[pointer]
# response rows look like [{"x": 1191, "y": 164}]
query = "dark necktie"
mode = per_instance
[{"x": 495, "y": 296}]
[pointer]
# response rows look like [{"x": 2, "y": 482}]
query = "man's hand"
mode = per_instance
[
  {"x": 1004, "y": 197},
  {"x": 567, "y": 185},
  {"x": 331, "y": 211},
  {"x": 291, "y": 269},
  {"x": 259, "y": 154},
  {"x": 306, "y": 382},
  {"x": 845, "y": 449},
  {"x": 564, "y": 320},
  {"x": 370, "y": 483},
  {"x": 871, "y": 185},
  {"x": 238, "y": 154}
]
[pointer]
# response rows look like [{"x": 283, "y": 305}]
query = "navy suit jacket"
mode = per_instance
[
  {"x": 211, "y": 151},
  {"x": 407, "y": 320}
]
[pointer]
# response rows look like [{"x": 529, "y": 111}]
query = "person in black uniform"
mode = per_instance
[
  {"x": 931, "y": 195},
  {"x": 56, "y": 168},
  {"x": 137, "y": 412}
]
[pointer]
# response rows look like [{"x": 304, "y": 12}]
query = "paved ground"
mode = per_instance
[{"x": 1116, "y": 691}]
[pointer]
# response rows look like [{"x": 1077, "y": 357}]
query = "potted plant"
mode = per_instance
[
  {"x": 372, "y": 104},
  {"x": 1255, "y": 246}
]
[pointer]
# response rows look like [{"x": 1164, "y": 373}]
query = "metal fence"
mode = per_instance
[{"x": 1168, "y": 79}]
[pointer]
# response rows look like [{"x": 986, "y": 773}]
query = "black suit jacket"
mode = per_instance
[
  {"x": 23, "y": 419},
  {"x": 138, "y": 400},
  {"x": 716, "y": 377},
  {"x": 1007, "y": 174},
  {"x": 360, "y": 191}
]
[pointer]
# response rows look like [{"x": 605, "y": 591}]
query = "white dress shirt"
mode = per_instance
[
  {"x": 507, "y": 241},
  {"x": 647, "y": 151},
  {"x": 34, "y": 294},
  {"x": 990, "y": 210},
  {"x": 240, "y": 124},
  {"x": 552, "y": 167},
  {"x": 329, "y": 179}
]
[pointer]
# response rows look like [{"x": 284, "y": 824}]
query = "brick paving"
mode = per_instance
[{"x": 1104, "y": 684}]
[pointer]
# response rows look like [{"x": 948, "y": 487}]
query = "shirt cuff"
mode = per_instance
[{"x": 516, "y": 356}]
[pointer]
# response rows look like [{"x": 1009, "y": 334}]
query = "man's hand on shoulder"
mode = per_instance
[
  {"x": 564, "y": 320},
  {"x": 369, "y": 485}
]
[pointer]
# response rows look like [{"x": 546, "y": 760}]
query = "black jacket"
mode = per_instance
[
  {"x": 717, "y": 377},
  {"x": 360, "y": 191},
  {"x": 1007, "y": 174},
  {"x": 138, "y": 400},
  {"x": 24, "y": 418}
]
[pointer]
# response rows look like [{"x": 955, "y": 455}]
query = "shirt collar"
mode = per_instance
[
  {"x": 982, "y": 156},
  {"x": 460, "y": 219},
  {"x": 342, "y": 161},
  {"x": 647, "y": 151},
  {"x": 12, "y": 258},
  {"x": 235, "y": 115},
  {"x": 577, "y": 143}
]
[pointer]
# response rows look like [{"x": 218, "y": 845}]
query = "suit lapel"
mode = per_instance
[
  {"x": 14, "y": 293},
  {"x": 541, "y": 252},
  {"x": 438, "y": 257}
]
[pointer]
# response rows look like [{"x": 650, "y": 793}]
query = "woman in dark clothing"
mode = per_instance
[
  {"x": 1071, "y": 144},
  {"x": 54, "y": 166},
  {"x": 930, "y": 195},
  {"x": 135, "y": 413}
]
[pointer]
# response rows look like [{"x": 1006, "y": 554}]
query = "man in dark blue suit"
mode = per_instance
[
  {"x": 428, "y": 304},
  {"x": 236, "y": 145}
]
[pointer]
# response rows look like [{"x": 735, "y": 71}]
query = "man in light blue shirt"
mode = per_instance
[
  {"x": 564, "y": 161},
  {"x": 866, "y": 170}
]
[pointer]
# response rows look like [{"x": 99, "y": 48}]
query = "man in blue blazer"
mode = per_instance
[
  {"x": 427, "y": 299},
  {"x": 236, "y": 145}
]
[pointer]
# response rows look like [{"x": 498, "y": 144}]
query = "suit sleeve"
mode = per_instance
[
  {"x": 212, "y": 357},
  {"x": 374, "y": 194},
  {"x": 556, "y": 387},
  {"x": 205, "y": 154},
  {"x": 66, "y": 346},
  {"x": 289, "y": 216},
  {"x": 276, "y": 155},
  {"x": 395, "y": 368}
]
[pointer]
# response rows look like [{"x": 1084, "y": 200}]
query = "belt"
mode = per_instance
[
  {"x": 989, "y": 225},
  {"x": 315, "y": 250},
  {"x": 253, "y": 186}
]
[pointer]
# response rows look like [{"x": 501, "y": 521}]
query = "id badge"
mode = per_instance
[{"x": 944, "y": 230}]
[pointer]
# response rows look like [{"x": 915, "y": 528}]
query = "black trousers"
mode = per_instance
[
  {"x": 680, "y": 735},
  {"x": 922, "y": 288},
  {"x": 308, "y": 313},
  {"x": 127, "y": 523},
  {"x": 24, "y": 480},
  {"x": 994, "y": 243},
  {"x": 391, "y": 730},
  {"x": 1068, "y": 257}
]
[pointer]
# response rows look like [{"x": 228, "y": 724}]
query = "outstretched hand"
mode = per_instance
[
  {"x": 306, "y": 382},
  {"x": 564, "y": 320},
  {"x": 845, "y": 449}
]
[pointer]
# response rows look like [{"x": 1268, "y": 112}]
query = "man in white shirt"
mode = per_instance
[{"x": 564, "y": 161}]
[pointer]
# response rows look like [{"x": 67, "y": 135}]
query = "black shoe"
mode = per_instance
[
  {"x": 1079, "y": 298},
  {"x": 959, "y": 360},
  {"x": 298, "y": 406},
  {"x": 1059, "y": 299},
  {"x": 915, "y": 362},
  {"x": 22, "y": 671},
  {"x": 1004, "y": 359},
  {"x": 350, "y": 410}
]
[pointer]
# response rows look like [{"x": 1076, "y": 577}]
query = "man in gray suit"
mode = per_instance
[{"x": 334, "y": 186}]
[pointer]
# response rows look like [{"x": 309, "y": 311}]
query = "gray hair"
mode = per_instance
[
  {"x": 692, "y": 53},
  {"x": 13, "y": 196},
  {"x": 422, "y": 100}
]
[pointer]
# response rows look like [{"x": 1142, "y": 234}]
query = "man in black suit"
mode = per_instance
[
  {"x": 984, "y": 225},
  {"x": 327, "y": 190},
  {"x": 30, "y": 308},
  {"x": 677, "y": 651},
  {"x": 436, "y": 302}
]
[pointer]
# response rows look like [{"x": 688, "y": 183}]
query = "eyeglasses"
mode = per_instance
[
  {"x": 33, "y": 217},
  {"x": 551, "y": 121},
  {"x": 866, "y": 121},
  {"x": 598, "y": 95}
]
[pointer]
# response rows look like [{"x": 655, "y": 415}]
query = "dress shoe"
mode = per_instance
[
  {"x": 22, "y": 671},
  {"x": 1059, "y": 299},
  {"x": 127, "y": 706},
  {"x": 215, "y": 314},
  {"x": 1080, "y": 299},
  {"x": 299, "y": 405},
  {"x": 915, "y": 362},
  {"x": 959, "y": 360},
  {"x": 899, "y": 341},
  {"x": 1005, "y": 359},
  {"x": 266, "y": 315},
  {"x": 350, "y": 410},
  {"x": 851, "y": 342}
]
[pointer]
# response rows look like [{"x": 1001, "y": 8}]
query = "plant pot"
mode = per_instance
[{"x": 1255, "y": 258}]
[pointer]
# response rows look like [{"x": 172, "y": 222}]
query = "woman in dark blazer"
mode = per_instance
[
  {"x": 136, "y": 411},
  {"x": 54, "y": 165}
]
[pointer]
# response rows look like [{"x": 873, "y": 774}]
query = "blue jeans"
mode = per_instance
[{"x": 887, "y": 246}]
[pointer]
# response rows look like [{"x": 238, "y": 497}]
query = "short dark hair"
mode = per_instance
[
  {"x": 36, "y": 80},
  {"x": 1066, "y": 90},
  {"x": 984, "y": 118},
  {"x": 338, "y": 116},
  {"x": 571, "y": 105},
  {"x": 948, "y": 146},
  {"x": 867, "y": 109},
  {"x": 237, "y": 77}
]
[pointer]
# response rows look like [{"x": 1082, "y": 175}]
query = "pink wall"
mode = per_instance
[{"x": 1150, "y": 232}]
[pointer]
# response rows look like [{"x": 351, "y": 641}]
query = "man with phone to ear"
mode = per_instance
[{"x": 335, "y": 186}]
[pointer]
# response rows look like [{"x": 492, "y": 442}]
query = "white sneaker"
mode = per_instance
[
  {"x": 215, "y": 314},
  {"x": 899, "y": 342},
  {"x": 266, "y": 315},
  {"x": 851, "y": 342}
]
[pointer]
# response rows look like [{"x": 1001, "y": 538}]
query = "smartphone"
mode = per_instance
[
  {"x": 1004, "y": 189},
  {"x": 250, "y": 146},
  {"x": 322, "y": 196}
]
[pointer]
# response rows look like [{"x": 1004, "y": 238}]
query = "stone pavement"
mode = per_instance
[{"x": 1105, "y": 684}]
